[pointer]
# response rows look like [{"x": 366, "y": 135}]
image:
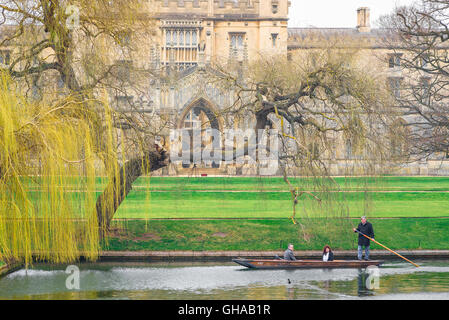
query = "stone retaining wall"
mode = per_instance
[{"x": 229, "y": 255}]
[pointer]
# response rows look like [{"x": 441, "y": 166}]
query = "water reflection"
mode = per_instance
[
  {"x": 364, "y": 289},
  {"x": 226, "y": 281}
]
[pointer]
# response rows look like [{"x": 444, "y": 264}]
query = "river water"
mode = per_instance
[{"x": 394, "y": 280}]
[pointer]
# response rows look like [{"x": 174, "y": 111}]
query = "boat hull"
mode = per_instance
[{"x": 305, "y": 264}]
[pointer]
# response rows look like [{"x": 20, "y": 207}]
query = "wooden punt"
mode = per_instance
[{"x": 304, "y": 264}]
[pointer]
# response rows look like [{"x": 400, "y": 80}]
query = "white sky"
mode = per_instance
[{"x": 337, "y": 13}]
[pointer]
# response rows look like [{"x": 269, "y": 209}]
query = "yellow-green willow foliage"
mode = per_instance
[{"x": 50, "y": 156}]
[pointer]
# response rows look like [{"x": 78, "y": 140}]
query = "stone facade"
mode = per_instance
[
  {"x": 243, "y": 30},
  {"x": 193, "y": 34}
]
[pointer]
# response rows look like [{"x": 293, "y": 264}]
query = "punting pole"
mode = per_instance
[{"x": 380, "y": 244}]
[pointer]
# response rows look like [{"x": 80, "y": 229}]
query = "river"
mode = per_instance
[{"x": 227, "y": 281}]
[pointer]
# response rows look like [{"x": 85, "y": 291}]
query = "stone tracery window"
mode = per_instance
[
  {"x": 399, "y": 134},
  {"x": 200, "y": 119},
  {"x": 394, "y": 60},
  {"x": 181, "y": 43},
  {"x": 274, "y": 38},
  {"x": 237, "y": 46},
  {"x": 395, "y": 84}
]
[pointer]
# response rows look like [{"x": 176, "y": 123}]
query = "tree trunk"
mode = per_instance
[{"x": 109, "y": 201}]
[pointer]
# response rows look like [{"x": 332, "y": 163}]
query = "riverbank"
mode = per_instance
[
  {"x": 152, "y": 256},
  {"x": 6, "y": 269},
  {"x": 273, "y": 234}
]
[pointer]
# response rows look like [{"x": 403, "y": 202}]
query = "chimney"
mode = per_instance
[{"x": 363, "y": 20}]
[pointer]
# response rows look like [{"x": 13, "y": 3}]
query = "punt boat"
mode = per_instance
[{"x": 304, "y": 264}]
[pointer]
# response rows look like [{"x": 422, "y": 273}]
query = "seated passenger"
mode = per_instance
[
  {"x": 328, "y": 255},
  {"x": 288, "y": 254}
]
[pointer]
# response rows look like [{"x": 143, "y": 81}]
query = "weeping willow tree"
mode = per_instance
[
  {"x": 332, "y": 110},
  {"x": 48, "y": 157},
  {"x": 67, "y": 60}
]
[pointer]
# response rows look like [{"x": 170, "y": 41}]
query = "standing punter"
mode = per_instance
[{"x": 366, "y": 228}]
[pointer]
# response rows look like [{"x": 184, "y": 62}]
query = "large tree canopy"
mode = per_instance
[
  {"x": 319, "y": 101},
  {"x": 58, "y": 130},
  {"x": 419, "y": 35}
]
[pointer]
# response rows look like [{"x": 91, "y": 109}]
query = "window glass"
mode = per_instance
[
  {"x": 394, "y": 61},
  {"x": 274, "y": 37},
  {"x": 194, "y": 43},
  {"x": 395, "y": 87},
  {"x": 175, "y": 38},
  {"x": 240, "y": 41},
  {"x": 168, "y": 38}
]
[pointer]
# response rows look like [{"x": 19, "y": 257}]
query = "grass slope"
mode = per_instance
[
  {"x": 275, "y": 204},
  {"x": 273, "y": 235}
]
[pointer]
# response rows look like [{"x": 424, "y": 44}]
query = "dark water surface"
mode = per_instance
[{"x": 227, "y": 281}]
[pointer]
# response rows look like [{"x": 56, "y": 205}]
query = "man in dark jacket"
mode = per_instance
[
  {"x": 288, "y": 254},
  {"x": 366, "y": 228}
]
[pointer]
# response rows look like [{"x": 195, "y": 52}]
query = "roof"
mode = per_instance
[{"x": 314, "y": 37}]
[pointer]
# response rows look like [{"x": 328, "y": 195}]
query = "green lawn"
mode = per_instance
[
  {"x": 275, "y": 234},
  {"x": 278, "y": 205},
  {"x": 263, "y": 198},
  {"x": 252, "y": 197},
  {"x": 256, "y": 197},
  {"x": 277, "y": 184}
]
